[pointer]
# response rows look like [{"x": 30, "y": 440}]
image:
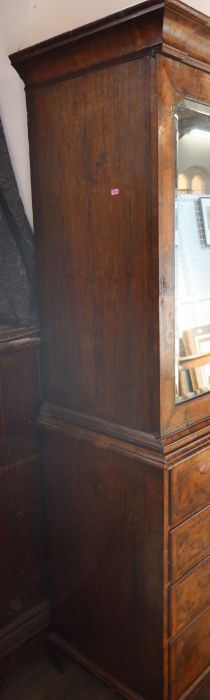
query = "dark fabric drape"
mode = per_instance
[{"x": 17, "y": 259}]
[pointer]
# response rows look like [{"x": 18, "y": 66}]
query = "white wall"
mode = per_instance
[{"x": 26, "y": 22}]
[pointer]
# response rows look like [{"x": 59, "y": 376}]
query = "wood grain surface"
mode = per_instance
[
  {"x": 22, "y": 576},
  {"x": 189, "y": 655},
  {"x": 190, "y": 543},
  {"x": 189, "y": 597}
]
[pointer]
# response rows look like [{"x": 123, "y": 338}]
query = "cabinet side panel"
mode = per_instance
[
  {"x": 105, "y": 518},
  {"x": 91, "y": 155}
]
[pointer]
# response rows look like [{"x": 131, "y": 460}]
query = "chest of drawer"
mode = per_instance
[
  {"x": 190, "y": 486},
  {"x": 189, "y": 655},
  {"x": 189, "y": 597},
  {"x": 189, "y": 543}
]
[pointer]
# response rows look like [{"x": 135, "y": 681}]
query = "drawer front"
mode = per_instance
[
  {"x": 189, "y": 655},
  {"x": 190, "y": 597},
  {"x": 189, "y": 543},
  {"x": 190, "y": 486}
]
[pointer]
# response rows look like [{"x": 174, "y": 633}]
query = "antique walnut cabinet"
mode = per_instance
[{"x": 122, "y": 219}]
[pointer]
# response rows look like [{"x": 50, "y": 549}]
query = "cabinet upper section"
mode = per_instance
[
  {"x": 166, "y": 26},
  {"x": 103, "y": 163}
]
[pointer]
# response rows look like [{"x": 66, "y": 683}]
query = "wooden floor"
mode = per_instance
[
  {"x": 32, "y": 675},
  {"x": 38, "y": 679}
]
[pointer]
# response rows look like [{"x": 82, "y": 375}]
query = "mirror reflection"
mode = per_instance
[{"x": 192, "y": 251}]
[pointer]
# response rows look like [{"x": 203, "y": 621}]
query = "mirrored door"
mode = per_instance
[{"x": 192, "y": 250}]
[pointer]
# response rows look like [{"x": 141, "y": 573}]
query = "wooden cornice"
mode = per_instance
[
  {"x": 167, "y": 26},
  {"x": 186, "y": 34}
]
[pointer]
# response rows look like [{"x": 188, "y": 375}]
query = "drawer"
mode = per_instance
[
  {"x": 189, "y": 543},
  {"x": 189, "y": 597},
  {"x": 189, "y": 655},
  {"x": 190, "y": 486}
]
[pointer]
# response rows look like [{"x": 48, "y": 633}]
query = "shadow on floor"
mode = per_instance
[{"x": 39, "y": 680}]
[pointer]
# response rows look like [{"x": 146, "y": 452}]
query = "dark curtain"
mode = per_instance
[{"x": 17, "y": 259}]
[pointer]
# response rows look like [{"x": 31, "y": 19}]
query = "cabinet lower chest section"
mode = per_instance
[
  {"x": 129, "y": 574},
  {"x": 189, "y": 573}
]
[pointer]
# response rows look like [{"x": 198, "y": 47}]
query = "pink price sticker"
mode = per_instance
[
  {"x": 115, "y": 192},
  {"x": 203, "y": 468}
]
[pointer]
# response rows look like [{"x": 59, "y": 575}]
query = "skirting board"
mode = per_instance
[
  {"x": 92, "y": 667},
  {"x": 68, "y": 649},
  {"x": 24, "y": 628}
]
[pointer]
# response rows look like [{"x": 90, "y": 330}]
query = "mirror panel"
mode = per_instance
[{"x": 192, "y": 251}]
